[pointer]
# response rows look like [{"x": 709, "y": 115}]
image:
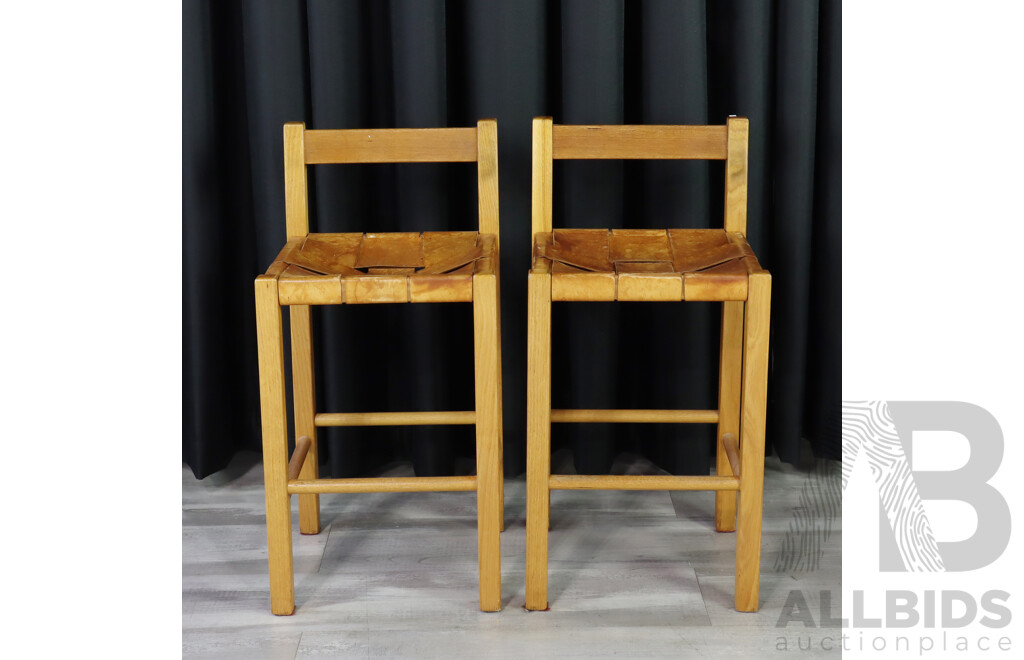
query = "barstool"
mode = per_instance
[
  {"x": 653, "y": 265},
  {"x": 363, "y": 268}
]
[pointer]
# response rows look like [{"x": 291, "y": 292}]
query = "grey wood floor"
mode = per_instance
[{"x": 632, "y": 574}]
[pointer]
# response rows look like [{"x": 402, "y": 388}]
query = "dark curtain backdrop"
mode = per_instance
[{"x": 250, "y": 66}]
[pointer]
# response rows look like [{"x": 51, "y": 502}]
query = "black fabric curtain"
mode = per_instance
[{"x": 249, "y": 66}]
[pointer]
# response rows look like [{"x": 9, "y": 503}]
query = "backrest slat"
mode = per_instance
[
  {"x": 639, "y": 142},
  {"x": 391, "y": 145}
]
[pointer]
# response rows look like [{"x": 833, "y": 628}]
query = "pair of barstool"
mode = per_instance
[{"x": 568, "y": 265}]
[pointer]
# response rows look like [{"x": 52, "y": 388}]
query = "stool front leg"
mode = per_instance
[
  {"x": 729, "y": 379},
  {"x": 304, "y": 396},
  {"x": 488, "y": 439},
  {"x": 275, "y": 445},
  {"x": 755, "y": 380},
  {"x": 538, "y": 441},
  {"x": 501, "y": 399}
]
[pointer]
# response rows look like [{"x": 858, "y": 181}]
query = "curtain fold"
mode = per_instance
[
  {"x": 250, "y": 66},
  {"x": 585, "y": 363}
]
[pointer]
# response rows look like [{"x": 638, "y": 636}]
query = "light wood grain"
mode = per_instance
[
  {"x": 539, "y": 263},
  {"x": 391, "y": 145},
  {"x": 755, "y": 379},
  {"x": 542, "y": 172},
  {"x": 270, "y": 345},
  {"x": 640, "y": 482},
  {"x": 639, "y": 142},
  {"x": 424, "y": 418},
  {"x": 384, "y": 485},
  {"x": 538, "y": 439},
  {"x": 304, "y": 409},
  {"x": 729, "y": 377},
  {"x": 487, "y": 175},
  {"x": 636, "y": 416},
  {"x": 738, "y": 129},
  {"x": 295, "y": 196},
  {"x": 732, "y": 452},
  {"x": 302, "y": 446},
  {"x": 501, "y": 397},
  {"x": 487, "y": 264},
  {"x": 358, "y": 268},
  {"x": 488, "y": 443},
  {"x": 655, "y": 265}
]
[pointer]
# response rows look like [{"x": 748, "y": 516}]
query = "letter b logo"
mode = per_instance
[{"x": 883, "y": 431}]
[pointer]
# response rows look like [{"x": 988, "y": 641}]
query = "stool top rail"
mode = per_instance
[
  {"x": 639, "y": 142},
  {"x": 728, "y": 142},
  {"x": 391, "y": 145},
  {"x": 302, "y": 147}
]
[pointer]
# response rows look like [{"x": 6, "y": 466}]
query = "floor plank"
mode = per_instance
[{"x": 631, "y": 574}]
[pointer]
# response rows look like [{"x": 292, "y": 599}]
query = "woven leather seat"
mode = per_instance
[
  {"x": 331, "y": 269},
  {"x": 646, "y": 264}
]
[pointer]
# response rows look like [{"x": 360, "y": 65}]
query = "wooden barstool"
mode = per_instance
[
  {"x": 353, "y": 268},
  {"x": 654, "y": 265}
]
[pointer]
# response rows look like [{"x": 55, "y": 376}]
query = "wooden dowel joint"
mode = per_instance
[
  {"x": 396, "y": 418},
  {"x": 641, "y": 482},
  {"x": 302, "y": 446},
  {"x": 636, "y": 416},
  {"x": 732, "y": 450},
  {"x": 383, "y": 485}
]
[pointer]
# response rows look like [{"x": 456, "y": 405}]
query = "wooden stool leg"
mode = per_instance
[
  {"x": 501, "y": 420},
  {"x": 305, "y": 410},
  {"x": 755, "y": 379},
  {"x": 270, "y": 341},
  {"x": 488, "y": 434},
  {"x": 729, "y": 379},
  {"x": 538, "y": 440}
]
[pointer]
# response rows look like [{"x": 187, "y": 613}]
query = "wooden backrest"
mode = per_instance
[
  {"x": 729, "y": 143},
  {"x": 390, "y": 145}
]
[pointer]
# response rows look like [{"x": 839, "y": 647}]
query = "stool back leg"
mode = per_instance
[
  {"x": 488, "y": 434},
  {"x": 729, "y": 379},
  {"x": 755, "y": 379},
  {"x": 538, "y": 440},
  {"x": 275, "y": 445},
  {"x": 305, "y": 410},
  {"x": 501, "y": 421}
]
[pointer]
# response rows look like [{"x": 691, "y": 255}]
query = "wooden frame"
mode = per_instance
[
  {"x": 639, "y": 142},
  {"x": 745, "y": 292},
  {"x": 477, "y": 283}
]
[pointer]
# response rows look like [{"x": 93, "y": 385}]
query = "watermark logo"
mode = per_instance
[
  {"x": 882, "y": 431},
  {"x": 879, "y": 435}
]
